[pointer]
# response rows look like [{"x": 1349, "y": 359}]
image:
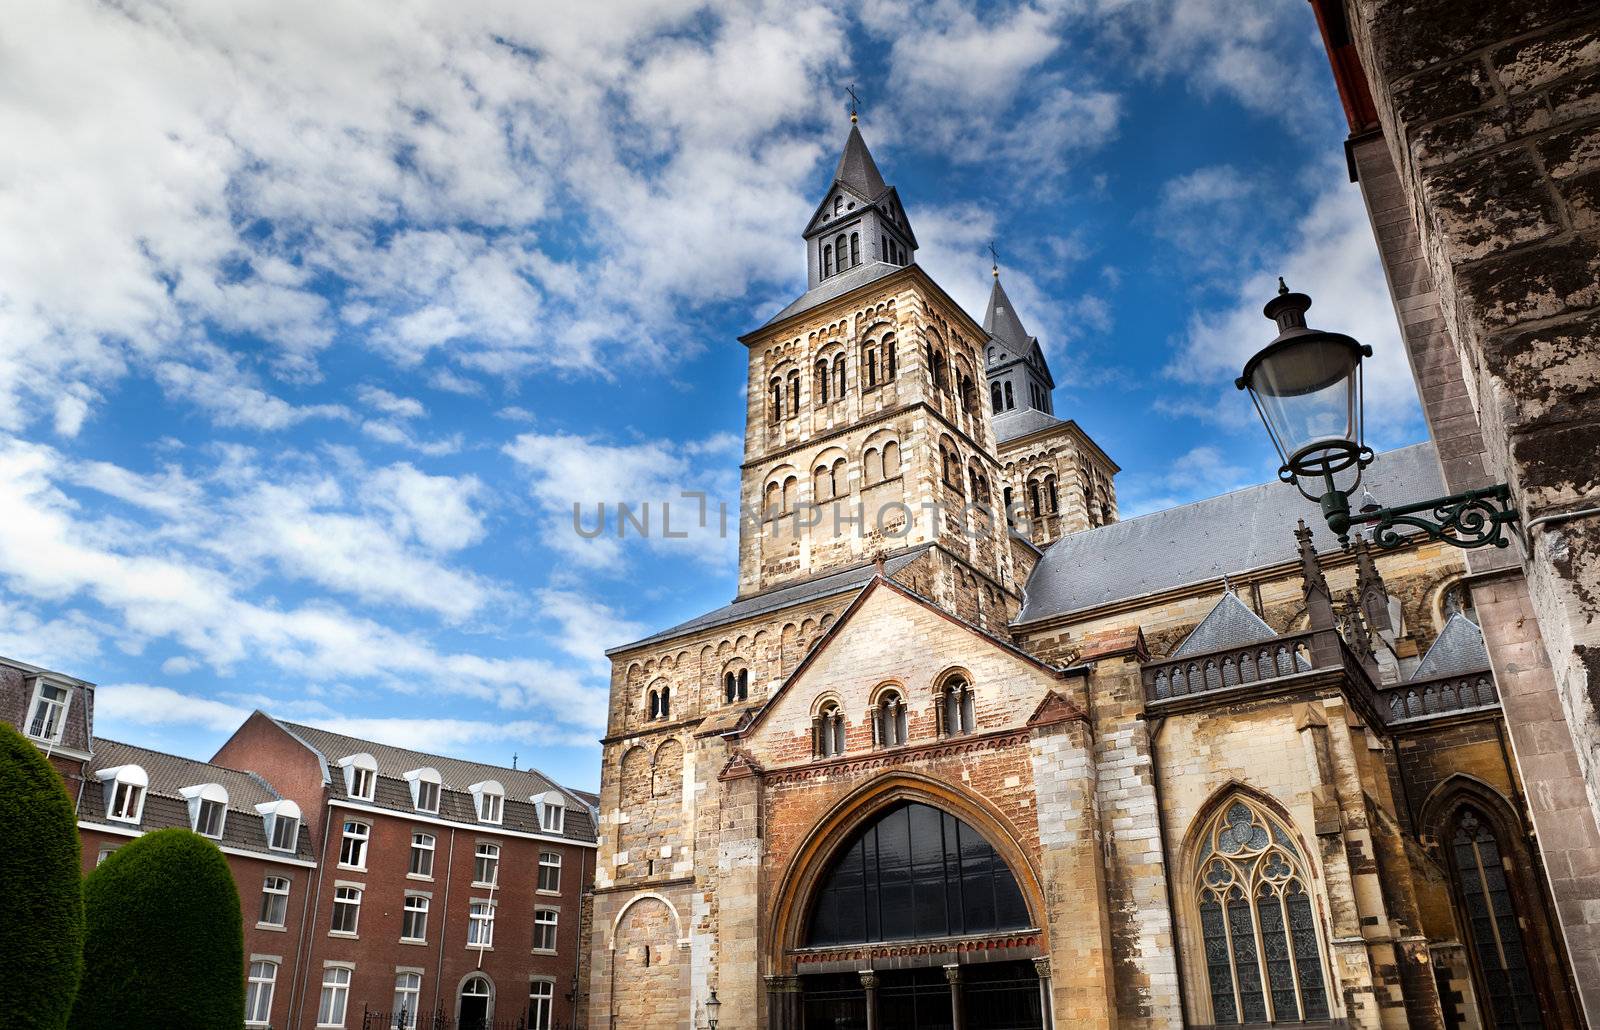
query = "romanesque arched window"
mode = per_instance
[
  {"x": 821, "y": 386},
  {"x": 855, "y": 249},
  {"x": 791, "y": 494},
  {"x": 827, "y": 731},
  {"x": 660, "y": 701},
  {"x": 994, "y": 396},
  {"x": 841, "y": 478},
  {"x": 1010, "y": 400},
  {"x": 889, "y": 719},
  {"x": 794, "y": 393},
  {"x": 838, "y": 206},
  {"x": 957, "y": 707},
  {"x": 841, "y": 251},
  {"x": 1034, "y": 506},
  {"x": 888, "y": 357},
  {"x": 869, "y": 362},
  {"x": 827, "y": 260},
  {"x": 872, "y": 465},
  {"x": 838, "y": 377},
  {"x": 822, "y": 483},
  {"x": 736, "y": 685},
  {"x": 1492, "y": 921},
  {"x": 914, "y": 873},
  {"x": 775, "y": 401},
  {"x": 891, "y": 460},
  {"x": 1050, "y": 497},
  {"x": 1261, "y": 945}
]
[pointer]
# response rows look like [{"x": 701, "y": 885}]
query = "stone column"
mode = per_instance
[
  {"x": 952, "y": 976},
  {"x": 1041, "y": 965},
  {"x": 869, "y": 983}
]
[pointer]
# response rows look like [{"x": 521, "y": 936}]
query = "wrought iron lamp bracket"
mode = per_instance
[{"x": 1473, "y": 518}]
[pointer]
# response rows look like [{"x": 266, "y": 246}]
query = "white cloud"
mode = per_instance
[
  {"x": 390, "y": 404},
  {"x": 567, "y": 472},
  {"x": 587, "y": 627},
  {"x": 147, "y": 705},
  {"x": 1202, "y": 471},
  {"x": 233, "y": 400},
  {"x": 1329, "y": 255}
]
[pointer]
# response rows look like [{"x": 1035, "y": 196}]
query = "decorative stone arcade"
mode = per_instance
[{"x": 916, "y": 923}]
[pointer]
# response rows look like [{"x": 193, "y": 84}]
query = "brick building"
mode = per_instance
[
  {"x": 931, "y": 769},
  {"x": 379, "y": 886}
]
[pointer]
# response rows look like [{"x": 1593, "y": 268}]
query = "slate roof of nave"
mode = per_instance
[
  {"x": 1233, "y": 532},
  {"x": 1459, "y": 648},
  {"x": 1231, "y": 623},
  {"x": 1019, "y": 422},
  {"x": 845, "y": 580}
]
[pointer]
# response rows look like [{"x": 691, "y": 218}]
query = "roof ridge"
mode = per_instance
[
  {"x": 528, "y": 770},
  {"x": 171, "y": 754}
]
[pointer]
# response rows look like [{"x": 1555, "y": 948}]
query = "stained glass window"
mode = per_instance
[
  {"x": 1496, "y": 938},
  {"x": 914, "y": 873},
  {"x": 1259, "y": 935}
]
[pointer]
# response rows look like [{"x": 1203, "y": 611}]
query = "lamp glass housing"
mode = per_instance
[{"x": 1308, "y": 390}]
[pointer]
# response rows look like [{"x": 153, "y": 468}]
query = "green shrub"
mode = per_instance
[
  {"x": 165, "y": 943},
  {"x": 41, "y": 904}
]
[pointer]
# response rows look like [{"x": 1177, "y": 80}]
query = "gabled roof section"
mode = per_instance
[
  {"x": 835, "y": 286},
  {"x": 884, "y": 583},
  {"x": 1230, "y": 623},
  {"x": 1458, "y": 649},
  {"x": 782, "y": 597},
  {"x": 1246, "y": 529},
  {"x": 1020, "y": 422}
]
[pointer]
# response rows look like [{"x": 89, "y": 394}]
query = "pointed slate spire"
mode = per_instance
[
  {"x": 1374, "y": 594},
  {"x": 856, "y": 168},
  {"x": 1002, "y": 323},
  {"x": 1319, "y": 600}
]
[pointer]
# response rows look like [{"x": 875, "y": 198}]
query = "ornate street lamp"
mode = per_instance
[
  {"x": 713, "y": 1006},
  {"x": 1306, "y": 385}
]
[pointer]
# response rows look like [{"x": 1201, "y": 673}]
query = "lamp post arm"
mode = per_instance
[{"x": 1473, "y": 518}]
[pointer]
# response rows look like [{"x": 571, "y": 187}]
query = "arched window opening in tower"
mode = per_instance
[
  {"x": 1261, "y": 944},
  {"x": 855, "y": 249},
  {"x": 838, "y": 377},
  {"x": 841, "y": 251},
  {"x": 888, "y": 357},
  {"x": 1010, "y": 400},
  {"x": 794, "y": 393},
  {"x": 822, "y": 381},
  {"x": 914, "y": 873},
  {"x": 994, "y": 397},
  {"x": 828, "y": 731},
  {"x": 775, "y": 404},
  {"x": 827, "y": 260}
]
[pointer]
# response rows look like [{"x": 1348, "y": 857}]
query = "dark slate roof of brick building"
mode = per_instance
[
  {"x": 783, "y": 597},
  {"x": 165, "y": 806},
  {"x": 1235, "y": 532},
  {"x": 456, "y": 775},
  {"x": 1459, "y": 648},
  {"x": 1019, "y": 422},
  {"x": 1230, "y": 624}
]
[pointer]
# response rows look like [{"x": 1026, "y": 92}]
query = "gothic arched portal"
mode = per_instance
[{"x": 914, "y": 872}]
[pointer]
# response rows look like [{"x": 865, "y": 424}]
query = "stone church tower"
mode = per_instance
[{"x": 940, "y": 764}]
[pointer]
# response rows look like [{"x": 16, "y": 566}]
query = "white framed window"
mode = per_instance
[
  {"x": 258, "y": 993},
  {"x": 360, "y": 776},
  {"x": 541, "y": 1004},
  {"x": 414, "y": 920},
  {"x": 480, "y": 924},
  {"x": 424, "y": 785},
  {"x": 284, "y": 827},
  {"x": 545, "y": 922},
  {"x": 552, "y": 809},
  {"x": 486, "y": 865},
  {"x": 407, "y": 996},
  {"x": 353, "y": 845},
  {"x": 275, "y": 901},
  {"x": 421, "y": 854},
  {"x": 105, "y": 853},
  {"x": 335, "y": 996},
  {"x": 208, "y": 808},
  {"x": 489, "y": 797},
  {"x": 346, "y": 910},
  {"x": 124, "y": 792},
  {"x": 48, "y": 717},
  {"x": 550, "y": 872}
]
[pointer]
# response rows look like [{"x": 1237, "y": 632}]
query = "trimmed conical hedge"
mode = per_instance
[
  {"x": 41, "y": 903},
  {"x": 165, "y": 943}
]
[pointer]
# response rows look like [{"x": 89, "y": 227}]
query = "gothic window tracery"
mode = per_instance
[
  {"x": 1493, "y": 924},
  {"x": 1260, "y": 940}
]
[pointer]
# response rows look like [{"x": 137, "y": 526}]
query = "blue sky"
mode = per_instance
[{"x": 316, "y": 318}]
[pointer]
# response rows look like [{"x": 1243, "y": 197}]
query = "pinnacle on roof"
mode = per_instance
[
  {"x": 1001, "y": 321},
  {"x": 856, "y": 168}
]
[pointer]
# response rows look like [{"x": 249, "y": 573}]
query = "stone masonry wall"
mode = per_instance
[{"x": 1491, "y": 111}]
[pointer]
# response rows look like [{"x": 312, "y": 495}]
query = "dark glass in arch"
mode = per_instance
[{"x": 914, "y": 873}]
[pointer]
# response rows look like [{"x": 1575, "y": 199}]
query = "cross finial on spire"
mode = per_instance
[
  {"x": 994, "y": 256},
  {"x": 855, "y": 102},
  {"x": 1283, "y": 287}
]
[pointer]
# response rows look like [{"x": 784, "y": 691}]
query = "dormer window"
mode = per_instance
[
  {"x": 552, "y": 809},
  {"x": 208, "y": 808},
  {"x": 281, "y": 820},
  {"x": 48, "y": 718},
  {"x": 125, "y": 787},
  {"x": 424, "y": 785},
  {"x": 360, "y": 776},
  {"x": 489, "y": 797}
]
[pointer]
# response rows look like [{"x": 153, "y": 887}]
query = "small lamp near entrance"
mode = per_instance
[
  {"x": 713, "y": 1007},
  {"x": 1306, "y": 385}
]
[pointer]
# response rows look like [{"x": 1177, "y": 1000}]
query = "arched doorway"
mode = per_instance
[
  {"x": 476, "y": 1005},
  {"x": 918, "y": 882}
]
